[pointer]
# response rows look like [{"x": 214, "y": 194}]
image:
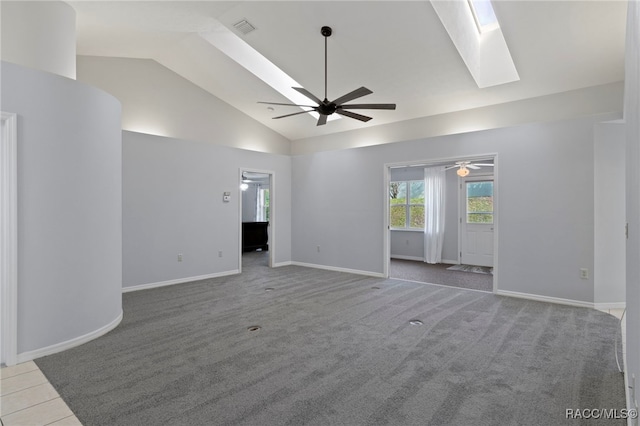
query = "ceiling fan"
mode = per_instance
[
  {"x": 464, "y": 166},
  {"x": 325, "y": 107}
]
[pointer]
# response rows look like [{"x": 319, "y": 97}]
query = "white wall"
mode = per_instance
[
  {"x": 40, "y": 35},
  {"x": 632, "y": 126},
  {"x": 69, "y": 208},
  {"x": 610, "y": 217},
  {"x": 158, "y": 101},
  {"x": 172, "y": 203},
  {"x": 546, "y": 220}
]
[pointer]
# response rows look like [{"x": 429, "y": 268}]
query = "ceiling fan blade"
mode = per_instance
[
  {"x": 289, "y": 115},
  {"x": 358, "y": 93},
  {"x": 353, "y": 115},
  {"x": 308, "y": 94},
  {"x": 368, "y": 106},
  {"x": 472, "y": 166},
  {"x": 278, "y": 103},
  {"x": 484, "y": 164},
  {"x": 322, "y": 120}
]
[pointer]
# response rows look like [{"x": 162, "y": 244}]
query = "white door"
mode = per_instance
[{"x": 476, "y": 221}]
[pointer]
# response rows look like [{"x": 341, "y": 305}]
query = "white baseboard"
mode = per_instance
[
  {"x": 178, "y": 281},
  {"x": 450, "y": 262},
  {"x": 337, "y": 269},
  {"x": 549, "y": 299},
  {"x": 63, "y": 346},
  {"x": 287, "y": 263},
  {"x": 398, "y": 256}
]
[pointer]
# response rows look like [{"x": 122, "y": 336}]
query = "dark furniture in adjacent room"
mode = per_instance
[{"x": 255, "y": 236}]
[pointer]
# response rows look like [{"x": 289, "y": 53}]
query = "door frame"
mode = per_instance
[
  {"x": 9, "y": 238},
  {"x": 272, "y": 227},
  {"x": 386, "y": 239},
  {"x": 462, "y": 208}
]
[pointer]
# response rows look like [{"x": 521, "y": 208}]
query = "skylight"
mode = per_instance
[
  {"x": 475, "y": 32},
  {"x": 484, "y": 15}
]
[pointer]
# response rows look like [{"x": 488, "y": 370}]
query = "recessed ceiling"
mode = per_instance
[{"x": 400, "y": 50}]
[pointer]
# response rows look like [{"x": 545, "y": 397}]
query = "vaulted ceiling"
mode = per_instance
[{"x": 398, "y": 49}]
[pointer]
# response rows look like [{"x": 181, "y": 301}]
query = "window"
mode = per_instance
[
  {"x": 484, "y": 15},
  {"x": 262, "y": 214},
  {"x": 480, "y": 202},
  {"x": 406, "y": 204}
]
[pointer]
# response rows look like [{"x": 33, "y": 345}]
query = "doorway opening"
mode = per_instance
[
  {"x": 257, "y": 230},
  {"x": 9, "y": 239},
  {"x": 441, "y": 222}
]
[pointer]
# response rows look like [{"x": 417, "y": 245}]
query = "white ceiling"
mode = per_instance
[{"x": 400, "y": 50}]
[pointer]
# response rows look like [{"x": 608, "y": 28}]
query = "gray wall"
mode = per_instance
[
  {"x": 610, "y": 218},
  {"x": 69, "y": 207},
  {"x": 158, "y": 101},
  {"x": 172, "y": 203},
  {"x": 546, "y": 219}
]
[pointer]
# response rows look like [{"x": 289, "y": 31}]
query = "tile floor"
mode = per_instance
[{"x": 27, "y": 398}]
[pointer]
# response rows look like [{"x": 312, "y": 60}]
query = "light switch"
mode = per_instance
[{"x": 226, "y": 197}]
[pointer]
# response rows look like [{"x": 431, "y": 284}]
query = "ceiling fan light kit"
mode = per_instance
[
  {"x": 325, "y": 107},
  {"x": 464, "y": 166},
  {"x": 462, "y": 171}
]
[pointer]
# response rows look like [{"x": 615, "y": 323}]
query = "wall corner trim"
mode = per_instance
[
  {"x": 179, "y": 281},
  {"x": 77, "y": 341}
]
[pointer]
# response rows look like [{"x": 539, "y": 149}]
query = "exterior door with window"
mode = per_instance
[{"x": 477, "y": 221}]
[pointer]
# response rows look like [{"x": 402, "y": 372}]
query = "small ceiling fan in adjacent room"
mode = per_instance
[
  {"x": 464, "y": 166},
  {"x": 325, "y": 107}
]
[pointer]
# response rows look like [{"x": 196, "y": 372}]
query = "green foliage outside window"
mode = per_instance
[
  {"x": 406, "y": 210},
  {"x": 480, "y": 202}
]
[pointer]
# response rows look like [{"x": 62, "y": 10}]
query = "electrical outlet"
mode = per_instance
[
  {"x": 584, "y": 273},
  {"x": 179, "y": 257},
  {"x": 220, "y": 253}
]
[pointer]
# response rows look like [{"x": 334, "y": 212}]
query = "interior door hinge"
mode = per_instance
[{"x": 626, "y": 230}]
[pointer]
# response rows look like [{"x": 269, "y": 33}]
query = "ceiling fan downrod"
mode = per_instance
[
  {"x": 326, "y": 32},
  {"x": 325, "y": 108}
]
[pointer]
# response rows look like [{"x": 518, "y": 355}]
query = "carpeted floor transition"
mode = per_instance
[{"x": 339, "y": 349}]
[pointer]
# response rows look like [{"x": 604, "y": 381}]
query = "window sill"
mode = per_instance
[{"x": 407, "y": 229}]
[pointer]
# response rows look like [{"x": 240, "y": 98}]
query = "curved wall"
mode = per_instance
[
  {"x": 40, "y": 35},
  {"x": 69, "y": 209}
]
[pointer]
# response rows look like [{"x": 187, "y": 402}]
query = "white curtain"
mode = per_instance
[{"x": 434, "y": 191}]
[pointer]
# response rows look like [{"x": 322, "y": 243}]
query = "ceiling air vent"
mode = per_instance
[{"x": 244, "y": 27}]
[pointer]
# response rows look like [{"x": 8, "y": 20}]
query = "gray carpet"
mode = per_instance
[
  {"x": 338, "y": 349},
  {"x": 413, "y": 270}
]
